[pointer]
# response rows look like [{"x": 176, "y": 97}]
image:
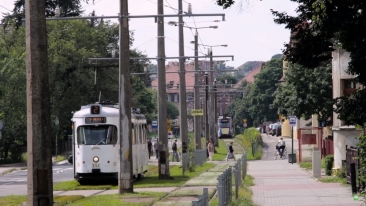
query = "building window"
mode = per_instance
[
  {"x": 169, "y": 98},
  {"x": 176, "y": 98},
  {"x": 349, "y": 86}
]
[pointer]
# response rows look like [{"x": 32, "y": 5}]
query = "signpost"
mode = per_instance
[
  {"x": 154, "y": 124},
  {"x": 197, "y": 112},
  {"x": 292, "y": 124}
]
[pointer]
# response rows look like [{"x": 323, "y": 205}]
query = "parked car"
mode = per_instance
[
  {"x": 275, "y": 129},
  {"x": 279, "y": 130}
]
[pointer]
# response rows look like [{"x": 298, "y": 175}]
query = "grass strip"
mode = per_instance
[
  {"x": 244, "y": 194},
  {"x": 16, "y": 200},
  {"x": 131, "y": 199},
  {"x": 151, "y": 179}
]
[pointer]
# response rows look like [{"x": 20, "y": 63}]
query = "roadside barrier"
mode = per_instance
[
  {"x": 202, "y": 199},
  {"x": 224, "y": 186}
]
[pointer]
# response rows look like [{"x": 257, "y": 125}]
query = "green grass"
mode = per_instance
[
  {"x": 16, "y": 200},
  {"x": 306, "y": 165},
  {"x": 245, "y": 140},
  {"x": 309, "y": 165},
  {"x": 244, "y": 195},
  {"x": 60, "y": 158},
  {"x": 116, "y": 199},
  {"x": 221, "y": 151},
  {"x": 151, "y": 179},
  {"x": 332, "y": 179}
]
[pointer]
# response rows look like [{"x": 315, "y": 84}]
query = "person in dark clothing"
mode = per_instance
[
  {"x": 231, "y": 152},
  {"x": 149, "y": 145}
]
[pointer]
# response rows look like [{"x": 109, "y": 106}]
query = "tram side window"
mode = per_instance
[
  {"x": 112, "y": 135},
  {"x": 133, "y": 134}
]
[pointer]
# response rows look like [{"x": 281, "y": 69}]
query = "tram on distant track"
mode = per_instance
[
  {"x": 225, "y": 127},
  {"x": 96, "y": 143}
]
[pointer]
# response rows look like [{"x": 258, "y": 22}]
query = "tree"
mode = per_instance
[
  {"x": 306, "y": 92},
  {"x": 67, "y": 8},
  {"x": 260, "y": 97},
  {"x": 173, "y": 111},
  {"x": 226, "y": 78}
]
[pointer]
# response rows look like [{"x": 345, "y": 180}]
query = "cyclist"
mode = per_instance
[{"x": 280, "y": 146}]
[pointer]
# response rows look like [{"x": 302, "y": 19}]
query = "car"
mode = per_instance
[{"x": 170, "y": 135}]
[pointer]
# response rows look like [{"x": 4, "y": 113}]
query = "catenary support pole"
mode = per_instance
[
  {"x": 197, "y": 119},
  {"x": 125, "y": 177},
  {"x": 292, "y": 145},
  {"x": 182, "y": 91},
  {"x": 207, "y": 135},
  {"x": 39, "y": 164},
  {"x": 211, "y": 103},
  {"x": 164, "y": 172}
]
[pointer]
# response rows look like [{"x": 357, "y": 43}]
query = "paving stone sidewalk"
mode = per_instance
[{"x": 278, "y": 182}]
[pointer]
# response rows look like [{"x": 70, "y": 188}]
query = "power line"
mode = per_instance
[
  {"x": 5, "y": 8},
  {"x": 184, "y": 45}
]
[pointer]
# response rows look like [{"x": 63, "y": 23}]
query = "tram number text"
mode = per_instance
[{"x": 95, "y": 165}]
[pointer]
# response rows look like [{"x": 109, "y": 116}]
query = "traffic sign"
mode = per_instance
[
  {"x": 154, "y": 124},
  {"x": 245, "y": 125},
  {"x": 244, "y": 120},
  {"x": 292, "y": 120},
  {"x": 197, "y": 112}
]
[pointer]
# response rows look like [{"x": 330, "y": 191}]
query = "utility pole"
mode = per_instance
[
  {"x": 182, "y": 91},
  {"x": 125, "y": 181},
  {"x": 207, "y": 135},
  {"x": 164, "y": 172},
  {"x": 215, "y": 116},
  {"x": 39, "y": 164},
  {"x": 197, "y": 119},
  {"x": 211, "y": 107}
]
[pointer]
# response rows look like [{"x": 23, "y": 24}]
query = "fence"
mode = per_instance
[
  {"x": 202, "y": 199},
  {"x": 224, "y": 186},
  {"x": 352, "y": 154}
]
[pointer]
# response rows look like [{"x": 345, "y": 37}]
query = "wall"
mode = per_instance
[{"x": 341, "y": 139}]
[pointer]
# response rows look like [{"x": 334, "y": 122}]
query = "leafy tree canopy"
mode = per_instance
[
  {"x": 67, "y": 8},
  {"x": 228, "y": 78},
  {"x": 173, "y": 111},
  {"x": 305, "y": 92},
  {"x": 277, "y": 56},
  {"x": 261, "y": 94}
]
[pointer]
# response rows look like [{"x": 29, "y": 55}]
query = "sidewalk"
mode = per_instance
[{"x": 278, "y": 182}]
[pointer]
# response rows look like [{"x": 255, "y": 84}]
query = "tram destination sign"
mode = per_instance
[{"x": 93, "y": 120}]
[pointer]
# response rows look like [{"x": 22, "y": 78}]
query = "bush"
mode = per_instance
[
  {"x": 329, "y": 164},
  {"x": 24, "y": 157}
]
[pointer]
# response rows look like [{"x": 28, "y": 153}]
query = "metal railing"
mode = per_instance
[
  {"x": 202, "y": 199},
  {"x": 224, "y": 186}
]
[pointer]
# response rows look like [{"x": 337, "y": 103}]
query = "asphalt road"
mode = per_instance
[{"x": 15, "y": 183}]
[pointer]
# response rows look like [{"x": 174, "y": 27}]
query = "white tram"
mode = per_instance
[{"x": 96, "y": 143}]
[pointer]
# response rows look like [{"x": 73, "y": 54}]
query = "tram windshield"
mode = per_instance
[
  {"x": 97, "y": 135},
  {"x": 224, "y": 125}
]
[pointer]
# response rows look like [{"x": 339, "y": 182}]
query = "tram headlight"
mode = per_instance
[{"x": 96, "y": 159}]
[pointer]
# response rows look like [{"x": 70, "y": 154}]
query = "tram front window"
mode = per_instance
[
  {"x": 224, "y": 125},
  {"x": 97, "y": 135}
]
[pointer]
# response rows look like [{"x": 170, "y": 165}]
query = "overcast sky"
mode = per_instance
[{"x": 251, "y": 35}]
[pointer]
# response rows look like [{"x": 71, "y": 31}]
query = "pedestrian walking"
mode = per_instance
[
  {"x": 149, "y": 145},
  {"x": 207, "y": 150},
  {"x": 230, "y": 155},
  {"x": 156, "y": 148},
  {"x": 175, "y": 151},
  {"x": 210, "y": 150}
]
